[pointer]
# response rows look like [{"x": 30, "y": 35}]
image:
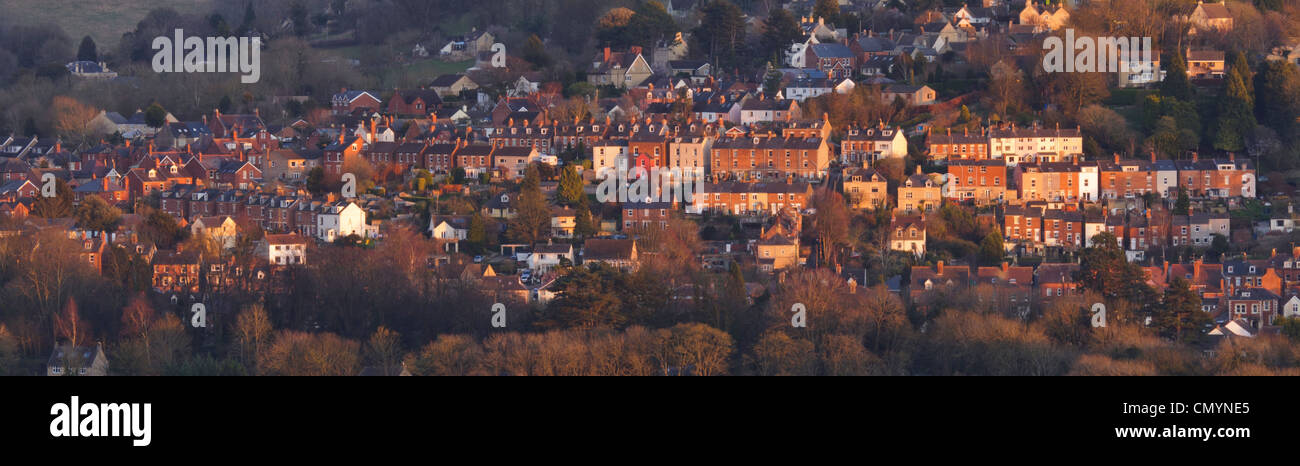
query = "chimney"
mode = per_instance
[
  {"x": 1116, "y": 155},
  {"x": 1194, "y": 157},
  {"x": 940, "y": 267},
  {"x": 1005, "y": 267},
  {"x": 1153, "y": 156},
  {"x": 606, "y": 54},
  {"x": 918, "y": 169}
]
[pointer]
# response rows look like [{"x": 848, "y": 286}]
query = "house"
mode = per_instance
[
  {"x": 751, "y": 199},
  {"x": 617, "y": 253},
  {"x": 452, "y": 84},
  {"x": 1256, "y": 306},
  {"x": 647, "y": 215},
  {"x": 938, "y": 277},
  {"x": 776, "y": 249},
  {"x": 1012, "y": 286},
  {"x": 221, "y": 229},
  {"x": 450, "y": 228},
  {"x": 176, "y": 271},
  {"x": 770, "y": 158},
  {"x": 697, "y": 70},
  {"x": 1137, "y": 69},
  {"x": 347, "y": 101},
  {"x": 942, "y": 147},
  {"x": 414, "y": 102},
  {"x": 761, "y": 109},
  {"x": 619, "y": 69},
  {"x": 862, "y": 146},
  {"x": 802, "y": 89},
  {"x": 1206, "y": 65},
  {"x": 511, "y": 162},
  {"x": 907, "y": 234},
  {"x": 79, "y": 360},
  {"x": 1056, "y": 280},
  {"x": 292, "y": 164},
  {"x": 668, "y": 50},
  {"x": 563, "y": 221},
  {"x": 911, "y": 94},
  {"x": 1015, "y": 144},
  {"x": 865, "y": 188},
  {"x": 548, "y": 256},
  {"x": 834, "y": 59},
  {"x": 1291, "y": 308},
  {"x": 90, "y": 70},
  {"x": 609, "y": 157},
  {"x": 1044, "y": 18},
  {"x": 184, "y": 133},
  {"x": 284, "y": 249},
  {"x": 918, "y": 193},
  {"x": 475, "y": 159},
  {"x": 340, "y": 219},
  {"x": 12, "y": 191},
  {"x": 467, "y": 46},
  {"x": 527, "y": 84},
  {"x": 1236, "y": 328},
  {"x": 501, "y": 206},
  {"x": 245, "y": 125},
  {"x": 1210, "y": 17}
]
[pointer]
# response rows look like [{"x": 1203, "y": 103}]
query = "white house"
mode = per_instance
[
  {"x": 1291, "y": 308},
  {"x": 450, "y": 229},
  {"x": 290, "y": 249},
  {"x": 222, "y": 229},
  {"x": 340, "y": 219},
  {"x": 609, "y": 155},
  {"x": 545, "y": 257}
]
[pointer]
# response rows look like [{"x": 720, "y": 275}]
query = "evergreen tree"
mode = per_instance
[
  {"x": 1236, "y": 120},
  {"x": 780, "y": 30},
  {"x": 155, "y": 116},
  {"x": 721, "y": 32},
  {"x": 87, "y": 52},
  {"x": 535, "y": 52},
  {"x": 584, "y": 224},
  {"x": 1278, "y": 82},
  {"x": 1176, "y": 84},
  {"x": 828, "y": 10},
  {"x": 1182, "y": 206},
  {"x": 532, "y": 222},
  {"x": 477, "y": 234},
  {"x": 1179, "y": 315},
  {"x": 1242, "y": 67},
  {"x": 571, "y": 186},
  {"x": 991, "y": 249},
  {"x": 1104, "y": 268}
]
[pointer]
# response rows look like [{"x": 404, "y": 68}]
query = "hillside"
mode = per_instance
[{"x": 103, "y": 20}]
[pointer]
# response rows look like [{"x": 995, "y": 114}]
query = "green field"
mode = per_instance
[{"x": 103, "y": 20}]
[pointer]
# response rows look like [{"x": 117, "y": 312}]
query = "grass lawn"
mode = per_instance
[{"x": 103, "y": 20}]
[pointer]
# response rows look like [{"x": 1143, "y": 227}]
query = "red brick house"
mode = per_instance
[
  {"x": 414, "y": 102},
  {"x": 346, "y": 101}
]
